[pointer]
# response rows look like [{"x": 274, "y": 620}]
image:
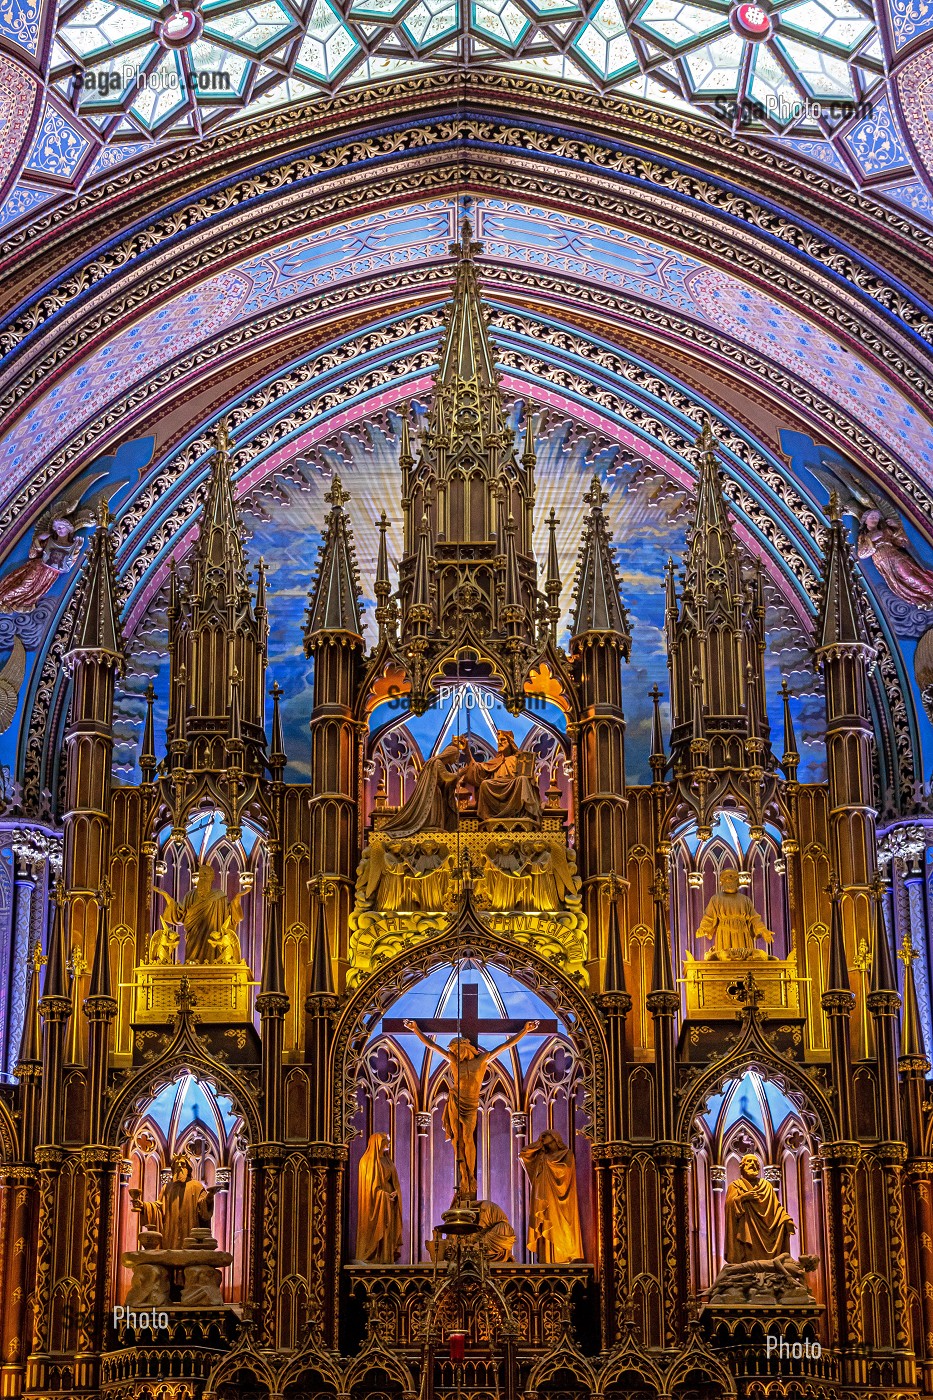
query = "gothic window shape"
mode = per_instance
[
  {"x": 401, "y": 742},
  {"x": 751, "y": 1114},
  {"x": 188, "y": 1116},
  {"x": 402, "y": 1091},
  {"x": 238, "y": 864},
  {"x": 697, "y": 869}
]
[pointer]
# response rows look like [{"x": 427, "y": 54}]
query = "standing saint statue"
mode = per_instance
[
  {"x": 184, "y": 1205},
  {"x": 554, "y": 1233},
  {"x": 210, "y": 920},
  {"x": 504, "y": 792},
  {"x": 433, "y": 803},
  {"x": 379, "y": 1208},
  {"x": 467, "y": 1072},
  {"x": 733, "y": 923},
  {"x": 757, "y": 1225}
]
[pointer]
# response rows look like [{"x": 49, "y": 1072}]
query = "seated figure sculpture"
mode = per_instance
[
  {"x": 433, "y": 803},
  {"x": 505, "y": 792},
  {"x": 184, "y": 1205},
  {"x": 733, "y": 924}
]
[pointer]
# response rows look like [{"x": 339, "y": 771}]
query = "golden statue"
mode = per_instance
[
  {"x": 733, "y": 923},
  {"x": 184, "y": 1205},
  {"x": 506, "y": 789},
  {"x": 554, "y": 1234},
  {"x": 467, "y": 1072},
  {"x": 210, "y": 921},
  {"x": 379, "y": 1209},
  {"x": 757, "y": 1225}
]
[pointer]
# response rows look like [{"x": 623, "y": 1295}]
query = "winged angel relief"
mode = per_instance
[{"x": 526, "y": 884}]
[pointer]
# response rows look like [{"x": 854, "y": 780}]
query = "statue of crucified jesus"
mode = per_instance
[{"x": 467, "y": 1072}]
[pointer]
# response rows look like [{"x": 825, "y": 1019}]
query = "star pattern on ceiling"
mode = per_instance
[
  {"x": 123, "y": 78},
  {"x": 133, "y": 70}
]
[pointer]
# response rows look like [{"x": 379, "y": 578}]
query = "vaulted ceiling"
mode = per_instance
[{"x": 644, "y": 267}]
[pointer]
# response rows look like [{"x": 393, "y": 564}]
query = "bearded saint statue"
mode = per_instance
[
  {"x": 184, "y": 1205},
  {"x": 503, "y": 791},
  {"x": 733, "y": 923},
  {"x": 757, "y": 1225}
]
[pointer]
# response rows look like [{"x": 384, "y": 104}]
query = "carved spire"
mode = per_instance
[
  {"x": 219, "y": 568},
  {"x": 912, "y": 1047},
  {"x": 273, "y": 966},
  {"x": 598, "y": 606},
  {"x": 335, "y": 604},
  {"x": 553, "y": 585},
  {"x": 658, "y": 758},
  {"x": 662, "y": 969},
  {"x": 382, "y": 587},
  {"x": 883, "y": 975},
  {"x": 467, "y": 357},
  {"x": 277, "y": 755},
  {"x": 96, "y": 629},
  {"x": 30, "y": 1052},
  {"x": 55, "y": 986},
  {"x": 467, "y": 484},
  {"x": 841, "y": 616},
  {"x": 147, "y": 753},
  {"x": 614, "y": 977},
  {"x": 837, "y": 978},
  {"x": 715, "y": 631},
  {"x": 791, "y": 756},
  {"x": 101, "y": 984},
  {"x": 322, "y": 973}
]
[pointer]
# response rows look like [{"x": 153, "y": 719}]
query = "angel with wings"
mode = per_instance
[
  {"x": 55, "y": 547},
  {"x": 881, "y": 534},
  {"x": 210, "y": 920}
]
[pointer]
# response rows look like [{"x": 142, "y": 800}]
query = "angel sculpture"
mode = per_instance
[
  {"x": 537, "y": 874},
  {"x": 210, "y": 920},
  {"x": 164, "y": 941},
  {"x": 881, "y": 534},
  {"x": 55, "y": 547},
  {"x": 11, "y": 680}
]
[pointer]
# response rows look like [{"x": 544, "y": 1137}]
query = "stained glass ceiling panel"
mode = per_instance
[{"x": 128, "y": 74}]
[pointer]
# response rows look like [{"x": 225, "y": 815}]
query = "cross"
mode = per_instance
[{"x": 469, "y": 1023}]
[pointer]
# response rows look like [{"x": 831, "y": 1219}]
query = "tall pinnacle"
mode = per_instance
[
  {"x": 335, "y": 605},
  {"x": 912, "y": 1047},
  {"x": 598, "y": 606},
  {"x": 97, "y": 622},
  {"x": 841, "y": 619},
  {"x": 219, "y": 564},
  {"x": 712, "y": 557},
  {"x": 467, "y": 351}
]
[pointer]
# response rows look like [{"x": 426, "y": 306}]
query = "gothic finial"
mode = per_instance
[
  {"x": 912, "y": 1046},
  {"x": 322, "y": 973},
  {"x": 657, "y": 758},
  {"x": 598, "y": 606},
  {"x": 273, "y": 965},
  {"x": 662, "y": 970},
  {"x": 841, "y": 614},
  {"x": 101, "y": 984},
  {"x": 335, "y": 603},
  {"x": 614, "y": 976},
  {"x": 277, "y": 755},
  {"x": 837, "y": 979},
  {"x": 883, "y": 975},
  {"x": 55, "y": 984},
  {"x": 147, "y": 754},
  {"x": 791, "y": 757},
  {"x": 96, "y": 630}
]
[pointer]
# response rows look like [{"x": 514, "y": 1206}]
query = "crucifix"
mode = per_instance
[{"x": 468, "y": 1065}]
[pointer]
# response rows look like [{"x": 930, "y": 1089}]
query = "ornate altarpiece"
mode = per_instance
[{"x": 234, "y": 960}]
